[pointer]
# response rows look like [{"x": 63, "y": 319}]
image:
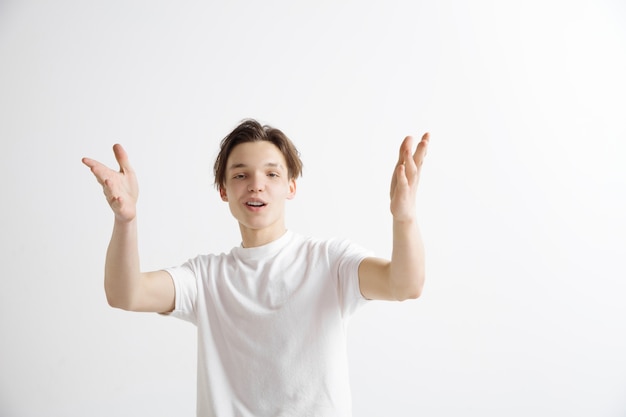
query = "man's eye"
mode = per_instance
[
  {"x": 273, "y": 174},
  {"x": 239, "y": 176}
]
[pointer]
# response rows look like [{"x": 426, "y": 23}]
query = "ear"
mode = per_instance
[
  {"x": 223, "y": 194},
  {"x": 292, "y": 189}
]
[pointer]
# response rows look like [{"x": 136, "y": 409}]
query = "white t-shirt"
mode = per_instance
[{"x": 272, "y": 326}]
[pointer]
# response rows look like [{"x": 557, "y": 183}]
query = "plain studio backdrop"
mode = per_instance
[{"x": 522, "y": 199}]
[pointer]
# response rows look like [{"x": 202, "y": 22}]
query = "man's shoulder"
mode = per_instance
[
  {"x": 329, "y": 245},
  {"x": 205, "y": 259}
]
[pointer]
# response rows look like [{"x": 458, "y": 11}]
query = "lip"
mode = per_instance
[{"x": 255, "y": 200}]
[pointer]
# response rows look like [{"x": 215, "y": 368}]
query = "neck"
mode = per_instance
[{"x": 252, "y": 238}]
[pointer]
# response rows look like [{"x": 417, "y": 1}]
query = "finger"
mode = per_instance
[
  {"x": 398, "y": 180},
  {"x": 116, "y": 203},
  {"x": 108, "y": 190},
  {"x": 411, "y": 169},
  {"x": 90, "y": 162},
  {"x": 407, "y": 144},
  {"x": 99, "y": 170},
  {"x": 122, "y": 158},
  {"x": 402, "y": 179},
  {"x": 421, "y": 150}
]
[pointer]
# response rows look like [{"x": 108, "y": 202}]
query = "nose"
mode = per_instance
[{"x": 256, "y": 184}]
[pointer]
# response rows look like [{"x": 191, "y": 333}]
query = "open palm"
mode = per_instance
[
  {"x": 405, "y": 178},
  {"x": 120, "y": 187}
]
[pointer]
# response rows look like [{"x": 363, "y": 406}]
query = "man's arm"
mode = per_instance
[
  {"x": 402, "y": 277},
  {"x": 125, "y": 285}
]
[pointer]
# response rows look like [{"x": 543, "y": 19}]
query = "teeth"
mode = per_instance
[{"x": 255, "y": 203}]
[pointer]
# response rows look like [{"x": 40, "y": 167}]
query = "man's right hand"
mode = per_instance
[{"x": 120, "y": 187}]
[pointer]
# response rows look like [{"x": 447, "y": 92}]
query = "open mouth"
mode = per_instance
[{"x": 255, "y": 204}]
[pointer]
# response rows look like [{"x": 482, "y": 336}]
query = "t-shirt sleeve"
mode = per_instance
[
  {"x": 347, "y": 258},
  {"x": 185, "y": 278}
]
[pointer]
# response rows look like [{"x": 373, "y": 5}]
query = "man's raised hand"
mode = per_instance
[
  {"x": 120, "y": 187},
  {"x": 406, "y": 178}
]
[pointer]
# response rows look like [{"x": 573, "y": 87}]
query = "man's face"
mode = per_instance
[{"x": 256, "y": 186}]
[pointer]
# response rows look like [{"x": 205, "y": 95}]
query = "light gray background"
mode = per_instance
[{"x": 522, "y": 200}]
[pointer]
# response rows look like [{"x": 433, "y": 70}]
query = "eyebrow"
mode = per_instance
[{"x": 267, "y": 165}]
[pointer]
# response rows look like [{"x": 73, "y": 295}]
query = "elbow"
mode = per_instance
[
  {"x": 123, "y": 303},
  {"x": 410, "y": 292},
  {"x": 115, "y": 303}
]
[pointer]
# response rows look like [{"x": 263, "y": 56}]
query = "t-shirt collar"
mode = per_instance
[{"x": 264, "y": 251}]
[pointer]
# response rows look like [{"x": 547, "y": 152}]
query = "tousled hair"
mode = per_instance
[{"x": 251, "y": 130}]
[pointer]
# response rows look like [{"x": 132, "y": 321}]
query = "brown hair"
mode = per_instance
[{"x": 252, "y": 131}]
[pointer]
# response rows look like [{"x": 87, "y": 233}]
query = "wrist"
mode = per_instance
[
  {"x": 123, "y": 223},
  {"x": 404, "y": 219}
]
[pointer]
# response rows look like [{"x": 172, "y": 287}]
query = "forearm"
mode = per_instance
[
  {"x": 121, "y": 272},
  {"x": 406, "y": 270},
  {"x": 402, "y": 277}
]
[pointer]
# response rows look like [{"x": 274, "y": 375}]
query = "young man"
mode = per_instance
[{"x": 272, "y": 313}]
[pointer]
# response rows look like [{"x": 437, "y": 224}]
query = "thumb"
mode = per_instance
[{"x": 122, "y": 158}]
